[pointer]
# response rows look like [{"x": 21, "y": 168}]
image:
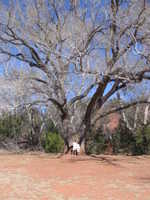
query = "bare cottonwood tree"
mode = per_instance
[
  {"x": 14, "y": 88},
  {"x": 78, "y": 50}
]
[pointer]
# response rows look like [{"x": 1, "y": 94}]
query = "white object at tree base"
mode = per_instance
[{"x": 76, "y": 147}]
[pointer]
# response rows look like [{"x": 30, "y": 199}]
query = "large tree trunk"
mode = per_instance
[
  {"x": 82, "y": 141},
  {"x": 71, "y": 134},
  {"x": 83, "y": 147},
  {"x": 68, "y": 145}
]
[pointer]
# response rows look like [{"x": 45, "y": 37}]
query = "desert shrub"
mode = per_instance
[
  {"x": 53, "y": 143},
  {"x": 142, "y": 141},
  {"x": 116, "y": 142},
  {"x": 125, "y": 141},
  {"x": 96, "y": 143},
  {"x": 147, "y": 139},
  {"x": 10, "y": 125}
]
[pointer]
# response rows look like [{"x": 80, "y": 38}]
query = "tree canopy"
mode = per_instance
[{"x": 77, "y": 52}]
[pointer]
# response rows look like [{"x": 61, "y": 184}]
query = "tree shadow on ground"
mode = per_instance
[
  {"x": 108, "y": 160},
  {"x": 143, "y": 180},
  {"x": 113, "y": 160}
]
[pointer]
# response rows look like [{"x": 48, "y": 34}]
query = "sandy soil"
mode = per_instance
[{"x": 45, "y": 177}]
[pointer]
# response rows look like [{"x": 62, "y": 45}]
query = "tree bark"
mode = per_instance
[
  {"x": 83, "y": 147},
  {"x": 146, "y": 112}
]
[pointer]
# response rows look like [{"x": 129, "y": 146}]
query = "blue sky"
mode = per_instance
[{"x": 75, "y": 79}]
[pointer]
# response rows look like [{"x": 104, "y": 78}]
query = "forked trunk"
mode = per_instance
[{"x": 68, "y": 146}]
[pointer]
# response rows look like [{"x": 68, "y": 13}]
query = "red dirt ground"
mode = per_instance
[{"x": 45, "y": 177}]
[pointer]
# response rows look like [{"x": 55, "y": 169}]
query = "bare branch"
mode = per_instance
[
  {"x": 114, "y": 110},
  {"x": 83, "y": 95}
]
